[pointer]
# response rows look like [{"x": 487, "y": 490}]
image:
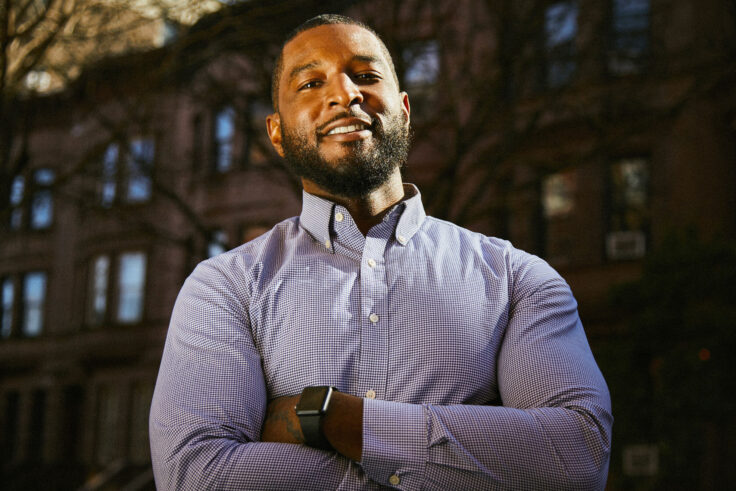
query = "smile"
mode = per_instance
[{"x": 347, "y": 129}]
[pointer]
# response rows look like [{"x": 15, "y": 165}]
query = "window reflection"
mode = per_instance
[
  {"x": 42, "y": 207},
  {"x": 8, "y": 296},
  {"x": 630, "y": 35},
  {"x": 99, "y": 281},
  {"x": 131, "y": 283},
  {"x": 558, "y": 194},
  {"x": 17, "y": 188},
  {"x": 224, "y": 134},
  {"x": 140, "y": 165},
  {"x": 109, "y": 175},
  {"x": 34, "y": 297},
  {"x": 561, "y": 27},
  {"x": 218, "y": 243}
]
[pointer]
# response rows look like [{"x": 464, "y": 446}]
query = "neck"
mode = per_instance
[{"x": 369, "y": 209}]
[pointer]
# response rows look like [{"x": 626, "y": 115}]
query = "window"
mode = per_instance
[
  {"x": 131, "y": 283},
  {"x": 34, "y": 299},
  {"x": 560, "y": 27},
  {"x": 422, "y": 64},
  {"x": 558, "y": 194},
  {"x": 629, "y": 36},
  {"x": 140, "y": 165},
  {"x": 17, "y": 188},
  {"x": 421, "y": 71},
  {"x": 558, "y": 230},
  {"x": 98, "y": 283},
  {"x": 42, "y": 206},
  {"x": 224, "y": 136},
  {"x": 8, "y": 301},
  {"x": 129, "y": 280},
  {"x": 217, "y": 244},
  {"x": 628, "y": 209},
  {"x": 29, "y": 302},
  {"x": 134, "y": 181},
  {"x": 108, "y": 181}
]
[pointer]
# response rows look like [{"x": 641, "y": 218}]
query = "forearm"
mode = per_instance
[
  {"x": 342, "y": 425},
  {"x": 207, "y": 462},
  {"x": 484, "y": 447}
]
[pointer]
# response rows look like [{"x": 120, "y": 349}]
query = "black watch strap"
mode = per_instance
[{"x": 312, "y": 429}]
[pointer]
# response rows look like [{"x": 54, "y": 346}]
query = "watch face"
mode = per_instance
[{"x": 313, "y": 400}]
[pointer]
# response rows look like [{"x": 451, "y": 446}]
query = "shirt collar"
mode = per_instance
[{"x": 318, "y": 213}]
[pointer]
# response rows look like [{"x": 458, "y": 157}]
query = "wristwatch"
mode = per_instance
[{"x": 310, "y": 409}]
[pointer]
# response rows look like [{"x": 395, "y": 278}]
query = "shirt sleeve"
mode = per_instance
[
  {"x": 552, "y": 430},
  {"x": 210, "y": 401}
]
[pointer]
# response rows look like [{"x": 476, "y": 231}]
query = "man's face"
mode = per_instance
[{"x": 342, "y": 122}]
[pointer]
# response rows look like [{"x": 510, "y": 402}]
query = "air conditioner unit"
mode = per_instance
[{"x": 625, "y": 245}]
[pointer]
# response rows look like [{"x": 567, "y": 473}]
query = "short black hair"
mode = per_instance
[{"x": 321, "y": 20}]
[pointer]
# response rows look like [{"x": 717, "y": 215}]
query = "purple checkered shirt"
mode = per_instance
[{"x": 470, "y": 354}]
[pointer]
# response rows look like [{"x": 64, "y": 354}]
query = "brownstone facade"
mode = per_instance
[{"x": 611, "y": 124}]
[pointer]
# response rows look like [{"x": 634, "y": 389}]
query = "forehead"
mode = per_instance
[{"x": 328, "y": 43}]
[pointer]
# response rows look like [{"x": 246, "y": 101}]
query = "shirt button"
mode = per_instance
[
  {"x": 339, "y": 216},
  {"x": 401, "y": 239},
  {"x": 373, "y": 317},
  {"x": 371, "y": 263},
  {"x": 327, "y": 244},
  {"x": 394, "y": 480},
  {"x": 370, "y": 394}
]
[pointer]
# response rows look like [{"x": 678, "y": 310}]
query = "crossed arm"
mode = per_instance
[{"x": 211, "y": 425}]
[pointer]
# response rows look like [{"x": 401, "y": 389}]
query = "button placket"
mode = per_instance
[{"x": 374, "y": 303}]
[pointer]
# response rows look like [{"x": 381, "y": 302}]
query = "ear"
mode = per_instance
[
  {"x": 405, "y": 108},
  {"x": 273, "y": 126}
]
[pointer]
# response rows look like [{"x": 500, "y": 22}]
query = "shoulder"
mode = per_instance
[
  {"x": 241, "y": 265},
  {"x": 523, "y": 270}
]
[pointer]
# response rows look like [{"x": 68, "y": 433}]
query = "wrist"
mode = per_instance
[
  {"x": 343, "y": 425},
  {"x": 311, "y": 410}
]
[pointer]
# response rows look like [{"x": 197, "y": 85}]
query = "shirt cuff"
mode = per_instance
[{"x": 394, "y": 443}]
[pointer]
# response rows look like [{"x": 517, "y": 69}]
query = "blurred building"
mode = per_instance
[{"x": 583, "y": 131}]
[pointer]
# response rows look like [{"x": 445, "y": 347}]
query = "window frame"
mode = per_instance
[
  {"x": 118, "y": 172},
  {"x": 27, "y": 190},
  {"x": 113, "y": 290}
]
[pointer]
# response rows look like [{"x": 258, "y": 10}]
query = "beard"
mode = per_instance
[{"x": 367, "y": 166}]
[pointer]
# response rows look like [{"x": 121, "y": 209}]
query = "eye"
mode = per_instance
[
  {"x": 367, "y": 77},
  {"x": 310, "y": 84}
]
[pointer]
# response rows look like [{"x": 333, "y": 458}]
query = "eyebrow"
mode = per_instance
[
  {"x": 314, "y": 64},
  {"x": 298, "y": 69}
]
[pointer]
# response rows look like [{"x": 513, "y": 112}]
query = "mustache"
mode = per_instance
[{"x": 348, "y": 114}]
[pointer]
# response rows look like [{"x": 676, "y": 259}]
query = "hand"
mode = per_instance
[{"x": 282, "y": 424}]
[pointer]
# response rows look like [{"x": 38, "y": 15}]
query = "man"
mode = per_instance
[{"x": 420, "y": 355}]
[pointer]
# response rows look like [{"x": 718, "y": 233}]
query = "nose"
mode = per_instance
[{"x": 344, "y": 92}]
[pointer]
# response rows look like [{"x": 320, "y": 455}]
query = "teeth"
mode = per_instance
[{"x": 346, "y": 129}]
